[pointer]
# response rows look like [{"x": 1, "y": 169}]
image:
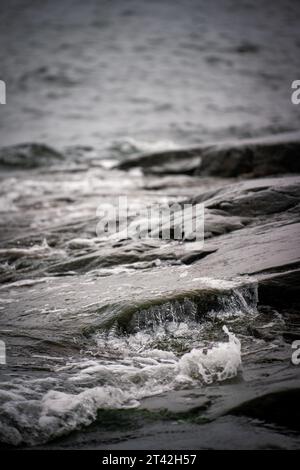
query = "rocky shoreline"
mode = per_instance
[{"x": 61, "y": 284}]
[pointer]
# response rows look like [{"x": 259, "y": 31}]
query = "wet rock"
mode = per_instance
[
  {"x": 181, "y": 402},
  {"x": 194, "y": 256},
  {"x": 133, "y": 252},
  {"x": 77, "y": 306},
  {"x": 253, "y": 157},
  {"x": 168, "y": 162},
  {"x": 25, "y": 156}
]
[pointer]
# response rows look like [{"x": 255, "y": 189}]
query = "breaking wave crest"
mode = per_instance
[{"x": 129, "y": 369}]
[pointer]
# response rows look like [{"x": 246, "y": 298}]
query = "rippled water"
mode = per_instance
[{"x": 184, "y": 71}]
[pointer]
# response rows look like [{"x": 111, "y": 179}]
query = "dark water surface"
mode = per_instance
[{"x": 123, "y": 343}]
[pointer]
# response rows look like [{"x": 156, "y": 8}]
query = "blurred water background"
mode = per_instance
[{"x": 180, "y": 71}]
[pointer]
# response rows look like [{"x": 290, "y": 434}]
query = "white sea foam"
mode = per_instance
[{"x": 119, "y": 373}]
